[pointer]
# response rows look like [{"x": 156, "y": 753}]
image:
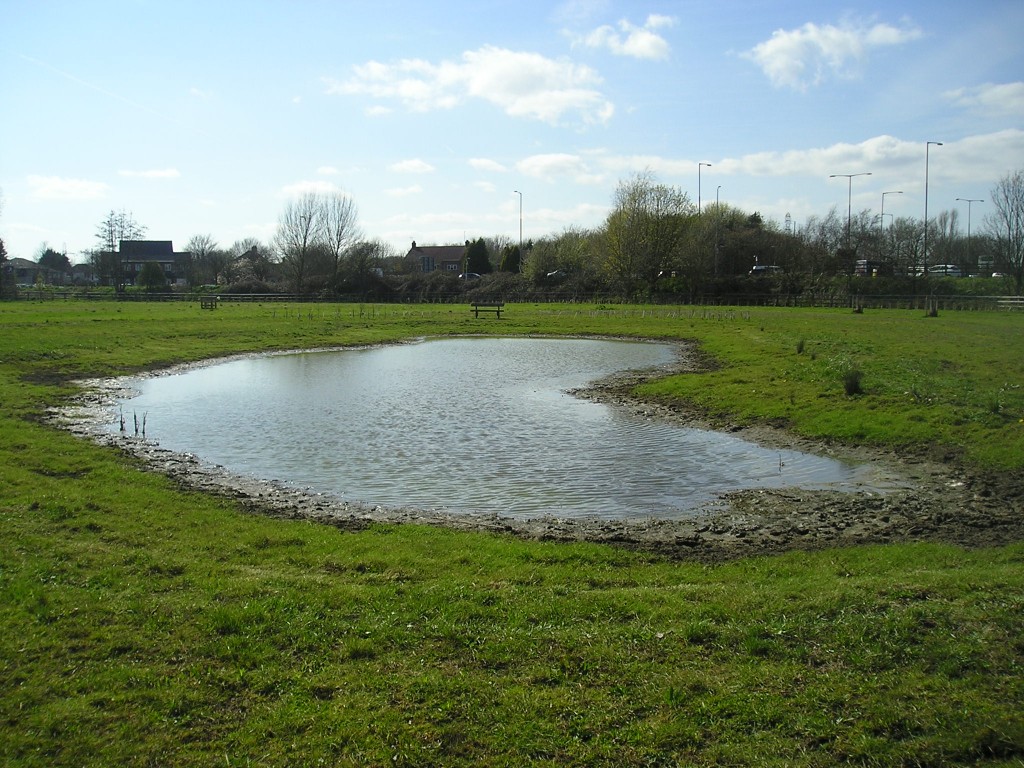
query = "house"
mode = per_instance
[
  {"x": 427, "y": 258},
  {"x": 135, "y": 254},
  {"x": 25, "y": 273}
]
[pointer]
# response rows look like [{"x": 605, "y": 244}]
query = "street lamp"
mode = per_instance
[
  {"x": 849, "y": 198},
  {"x": 718, "y": 221},
  {"x": 924, "y": 249},
  {"x": 881, "y": 217},
  {"x": 969, "y": 200},
  {"x": 516, "y": 191},
  {"x": 698, "y": 184}
]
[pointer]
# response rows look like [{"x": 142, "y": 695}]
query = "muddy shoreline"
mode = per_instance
[{"x": 935, "y": 498}]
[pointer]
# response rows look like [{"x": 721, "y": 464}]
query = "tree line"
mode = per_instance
[{"x": 654, "y": 239}]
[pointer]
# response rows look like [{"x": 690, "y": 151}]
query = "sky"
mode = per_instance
[{"x": 457, "y": 120}]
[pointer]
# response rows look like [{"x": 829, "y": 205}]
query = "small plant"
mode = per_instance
[
  {"x": 852, "y": 382},
  {"x": 800, "y": 347}
]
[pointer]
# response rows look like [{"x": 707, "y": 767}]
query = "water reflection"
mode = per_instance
[{"x": 461, "y": 424}]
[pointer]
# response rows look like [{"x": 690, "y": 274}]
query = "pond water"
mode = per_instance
[{"x": 464, "y": 425}]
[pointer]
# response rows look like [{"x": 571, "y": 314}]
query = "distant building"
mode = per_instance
[
  {"x": 25, "y": 273},
  {"x": 427, "y": 258},
  {"x": 133, "y": 255}
]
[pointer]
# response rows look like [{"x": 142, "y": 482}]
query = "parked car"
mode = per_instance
[
  {"x": 949, "y": 270},
  {"x": 763, "y": 270},
  {"x": 469, "y": 276}
]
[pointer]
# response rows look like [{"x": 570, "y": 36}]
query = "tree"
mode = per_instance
[
  {"x": 299, "y": 231},
  {"x": 151, "y": 277},
  {"x": 117, "y": 226},
  {"x": 362, "y": 263},
  {"x": 50, "y": 259},
  {"x": 206, "y": 263},
  {"x": 1006, "y": 225},
  {"x": 477, "y": 258},
  {"x": 511, "y": 260},
  {"x": 645, "y": 230},
  {"x": 250, "y": 262},
  {"x": 340, "y": 229},
  {"x": 3, "y": 269}
]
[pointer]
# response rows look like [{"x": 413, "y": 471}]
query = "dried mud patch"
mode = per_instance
[{"x": 937, "y": 498}]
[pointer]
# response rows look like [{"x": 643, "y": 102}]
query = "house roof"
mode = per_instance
[
  {"x": 440, "y": 253},
  {"x": 147, "y": 250}
]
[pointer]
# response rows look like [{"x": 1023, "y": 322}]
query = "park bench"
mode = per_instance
[
  {"x": 208, "y": 302},
  {"x": 487, "y": 306}
]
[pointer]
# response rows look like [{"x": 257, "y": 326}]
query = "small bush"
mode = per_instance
[
  {"x": 800, "y": 347},
  {"x": 852, "y": 382}
]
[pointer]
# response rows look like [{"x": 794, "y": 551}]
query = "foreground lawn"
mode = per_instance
[{"x": 141, "y": 624}]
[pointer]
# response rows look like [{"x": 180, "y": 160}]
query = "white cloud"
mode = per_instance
[
  {"x": 550, "y": 167},
  {"x": 965, "y": 159},
  {"x": 523, "y": 84},
  {"x": 163, "y": 173},
  {"x": 327, "y": 170},
  {"x": 485, "y": 186},
  {"x": 303, "y": 187},
  {"x": 990, "y": 98},
  {"x": 411, "y": 166},
  {"x": 59, "y": 188},
  {"x": 415, "y": 189},
  {"x": 631, "y": 40},
  {"x": 807, "y": 56},
  {"x": 484, "y": 164}
]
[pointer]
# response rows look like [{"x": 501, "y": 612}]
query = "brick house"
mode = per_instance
[{"x": 428, "y": 258}]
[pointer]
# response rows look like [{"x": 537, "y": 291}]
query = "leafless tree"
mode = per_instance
[
  {"x": 298, "y": 231},
  {"x": 208, "y": 263},
  {"x": 340, "y": 228},
  {"x": 1006, "y": 224},
  {"x": 117, "y": 226}
]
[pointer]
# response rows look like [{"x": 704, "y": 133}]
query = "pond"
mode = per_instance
[{"x": 481, "y": 425}]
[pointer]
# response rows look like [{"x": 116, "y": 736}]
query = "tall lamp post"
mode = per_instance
[
  {"x": 699, "y": 165},
  {"x": 924, "y": 248},
  {"x": 881, "y": 217},
  {"x": 516, "y": 191},
  {"x": 718, "y": 221},
  {"x": 849, "y": 198},
  {"x": 969, "y": 200}
]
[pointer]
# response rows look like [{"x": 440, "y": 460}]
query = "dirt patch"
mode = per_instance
[{"x": 935, "y": 499}]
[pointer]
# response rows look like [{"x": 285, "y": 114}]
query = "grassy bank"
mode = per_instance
[{"x": 146, "y": 625}]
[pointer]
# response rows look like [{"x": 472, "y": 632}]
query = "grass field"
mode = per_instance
[{"x": 143, "y": 624}]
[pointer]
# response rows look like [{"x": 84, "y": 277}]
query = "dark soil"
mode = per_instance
[{"x": 928, "y": 497}]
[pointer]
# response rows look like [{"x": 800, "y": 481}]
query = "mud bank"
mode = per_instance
[{"x": 932, "y": 498}]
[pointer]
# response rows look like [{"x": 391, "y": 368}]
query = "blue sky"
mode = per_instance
[{"x": 205, "y": 117}]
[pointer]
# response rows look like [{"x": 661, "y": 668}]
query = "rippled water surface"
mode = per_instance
[{"x": 477, "y": 425}]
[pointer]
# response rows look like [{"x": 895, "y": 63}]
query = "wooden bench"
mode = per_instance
[
  {"x": 487, "y": 306},
  {"x": 208, "y": 302}
]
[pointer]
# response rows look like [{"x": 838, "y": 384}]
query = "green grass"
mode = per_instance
[{"x": 143, "y": 624}]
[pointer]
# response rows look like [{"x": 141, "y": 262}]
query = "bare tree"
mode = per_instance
[
  {"x": 207, "y": 262},
  {"x": 299, "y": 233},
  {"x": 1006, "y": 224},
  {"x": 340, "y": 228},
  {"x": 117, "y": 226}
]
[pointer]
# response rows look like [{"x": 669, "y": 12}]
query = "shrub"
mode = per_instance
[{"x": 852, "y": 382}]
